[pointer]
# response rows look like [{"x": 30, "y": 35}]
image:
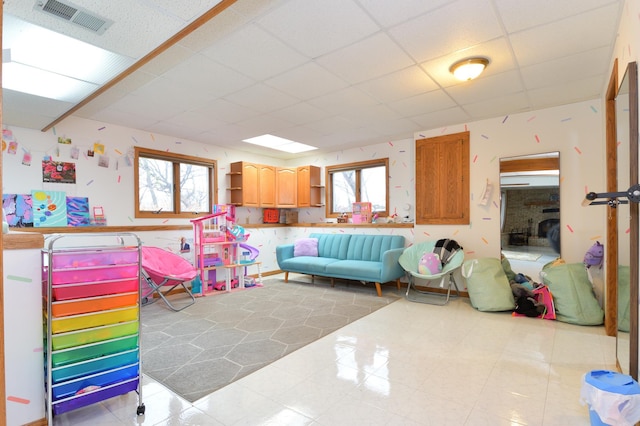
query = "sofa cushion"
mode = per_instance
[
  {"x": 371, "y": 247},
  {"x": 307, "y": 264},
  {"x": 306, "y": 247},
  {"x": 355, "y": 269},
  {"x": 332, "y": 245}
]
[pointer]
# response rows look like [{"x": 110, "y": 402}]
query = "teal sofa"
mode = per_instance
[{"x": 366, "y": 258}]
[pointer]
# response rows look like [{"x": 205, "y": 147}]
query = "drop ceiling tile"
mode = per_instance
[
  {"x": 168, "y": 59},
  {"x": 208, "y": 77},
  {"x": 223, "y": 110},
  {"x": 497, "y": 51},
  {"x": 186, "y": 11},
  {"x": 401, "y": 10},
  {"x": 214, "y": 30},
  {"x": 520, "y": 15},
  {"x": 566, "y": 37},
  {"x": 423, "y": 103},
  {"x": 196, "y": 120},
  {"x": 301, "y": 113},
  {"x": 262, "y": 98},
  {"x": 486, "y": 88},
  {"x": 302, "y": 134},
  {"x": 332, "y": 125},
  {"x": 441, "y": 118},
  {"x": 164, "y": 91},
  {"x": 374, "y": 114},
  {"x": 318, "y": 27},
  {"x": 370, "y": 58},
  {"x": 30, "y": 111},
  {"x": 307, "y": 81},
  {"x": 251, "y": 51},
  {"x": 265, "y": 123},
  {"x": 574, "y": 91},
  {"x": 124, "y": 118},
  {"x": 401, "y": 126},
  {"x": 400, "y": 84},
  {"x": 565, "y": 69},
  {"x": 343, "y": 100},
  {"x": 503, "y": 105},
  {"x": 448, "y": 29},
  {"x": 166, "y": 128},
  {"x": 143, "y": 106}
]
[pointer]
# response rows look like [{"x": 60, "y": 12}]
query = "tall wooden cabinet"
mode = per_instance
[
  {"x": 286, "y": 184},
  {"x": 309, "y": 186}
]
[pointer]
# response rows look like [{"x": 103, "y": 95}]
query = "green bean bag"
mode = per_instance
[
  {"x": 487, "y": 285},
  {"x": 572, "y": 293}
]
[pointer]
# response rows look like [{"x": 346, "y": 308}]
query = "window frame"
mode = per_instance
[
  {"x": 176, "y": 160},
  {"x": 357, "y": 167}
]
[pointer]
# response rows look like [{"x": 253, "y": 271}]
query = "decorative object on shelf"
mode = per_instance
[{"x": 343, "y": 218}]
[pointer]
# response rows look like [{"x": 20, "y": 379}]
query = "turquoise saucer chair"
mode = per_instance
[{"x": 409, "y": 260}]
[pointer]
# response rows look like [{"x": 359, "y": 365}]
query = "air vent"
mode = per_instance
[{"x": 74, "y": 14}]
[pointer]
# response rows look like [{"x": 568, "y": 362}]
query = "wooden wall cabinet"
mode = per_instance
[
  {"x": 259, "y": 185},
  {"x": 286, "y": 187},
  {"x": 267, "y": 184},
  {"x": 309, "y": 186},
  {"x": 244, "y": 179}
]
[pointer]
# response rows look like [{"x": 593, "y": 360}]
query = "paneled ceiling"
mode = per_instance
[{"x": 333, "y": 74}]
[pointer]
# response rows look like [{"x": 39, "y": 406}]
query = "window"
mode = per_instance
[
  {"x": 442, "y": 180},
  {"x": 173, "y": 185},
  {"x": 366, "y": 181}
]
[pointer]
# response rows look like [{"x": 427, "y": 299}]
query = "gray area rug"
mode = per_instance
[{"x": 226, "y": 336}]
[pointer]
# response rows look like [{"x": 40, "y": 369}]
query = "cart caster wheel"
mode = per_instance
[{"x": 140, "y": 410}]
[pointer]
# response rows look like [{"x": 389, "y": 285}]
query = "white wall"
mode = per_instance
[{"x": 575, "y": 130}]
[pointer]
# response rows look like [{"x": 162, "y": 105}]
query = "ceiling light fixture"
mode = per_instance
[
  {"x": 468, "y": 69},
  {"x": 280, "y": 144}
]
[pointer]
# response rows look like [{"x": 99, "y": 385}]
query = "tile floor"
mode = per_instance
[{"x": 405, "y": 364}]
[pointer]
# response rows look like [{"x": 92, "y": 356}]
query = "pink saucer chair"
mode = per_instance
[{"x": 162, "y": 268}]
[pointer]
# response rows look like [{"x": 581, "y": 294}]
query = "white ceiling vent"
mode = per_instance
[{"x": 74, "y": 14}]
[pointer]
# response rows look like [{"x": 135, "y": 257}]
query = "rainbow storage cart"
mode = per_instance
[{"x": 91, "y": 313}]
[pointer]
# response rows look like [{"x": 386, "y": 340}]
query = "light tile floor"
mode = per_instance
[{"x": 405, "y": 364}]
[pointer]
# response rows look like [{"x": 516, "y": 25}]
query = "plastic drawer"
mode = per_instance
[
  {"x": 94, "y": 350},
  {"x": 84, "y": 290},
  {"x": 92, "y": 335},
  {"x": 75, "y": 259},
  {"x": 78, "y": 322},
  {"x": 93, "y": 274},
  {"x": 106, "y": 378},
  {"x": 93, "y": 304},
  {"x": 90, "y": 398},
  {"x": 93, "y": 366}
]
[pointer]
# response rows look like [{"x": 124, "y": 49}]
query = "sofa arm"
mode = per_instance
[
  {"x": 391, "y": 269},
  {"x": 284, "y": 252}
]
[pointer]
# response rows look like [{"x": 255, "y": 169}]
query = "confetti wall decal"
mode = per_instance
[
  {"x": 18, "y": 400},
  {"x": 577, "y": 150},
  {"x": 20, "y": 279},
  {"x": 531, "y": 118},
  {"x": 537, "y": 138},
  {"x": 475, "y": 158},
  {"x": 102, "y": 128},
  {"x": 505, "y": 119},
  {"x": 570, "y": 228},
  {"x": 484, "y": 240},
  {"x": 564, "y": 120},
  {"x": 485, "y": 136},
  {"x": 593, "y": 109}
]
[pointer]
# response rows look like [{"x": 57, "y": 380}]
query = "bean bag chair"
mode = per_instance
[
  {"x": 487, "y": 285},
  {"x": 573, "y": 295}
]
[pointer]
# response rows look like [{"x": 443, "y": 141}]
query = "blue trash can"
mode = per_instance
[{"x": 613, "y": 398}]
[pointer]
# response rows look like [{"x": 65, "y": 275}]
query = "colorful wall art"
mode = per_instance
[
  {"x": 49, "y": 208},
  {"x": 58, "y": 171},
  {"x": 18, "y": 209},
  {"x": 78, "y": 211}
]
